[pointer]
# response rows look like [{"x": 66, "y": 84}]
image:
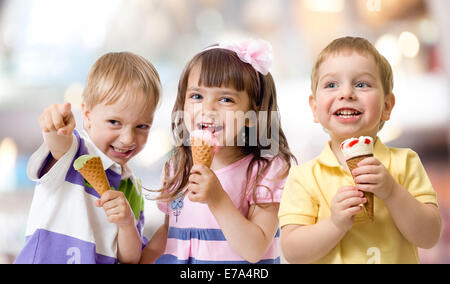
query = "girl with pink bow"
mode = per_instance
[{"x": 225, "y": 212}]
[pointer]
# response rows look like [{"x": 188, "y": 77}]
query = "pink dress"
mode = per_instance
[{"x": 194, "y": 234}]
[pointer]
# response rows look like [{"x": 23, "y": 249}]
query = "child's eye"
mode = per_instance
[
  {"x": 226, "y": 100},
  {"x": 114, "y": 122},
  {"x": 362, "y": 85},
  {"x": 143, "y": 126},
  {"x": 196, "y": 96},
  {"x": 331, "y": 85}
]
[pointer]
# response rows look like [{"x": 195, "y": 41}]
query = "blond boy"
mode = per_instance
[
  {"x": 66, "y": 222},
  {"x": 320, "y": 213}
]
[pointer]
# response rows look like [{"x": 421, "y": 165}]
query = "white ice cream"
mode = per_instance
[
  {"x": 355, "y": 147},
  {"x": 206, "y": 136}
]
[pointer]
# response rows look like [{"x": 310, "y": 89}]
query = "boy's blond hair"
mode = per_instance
[
  {"x": 118, "y": 73},
  {"x": 361, "y": 46}
]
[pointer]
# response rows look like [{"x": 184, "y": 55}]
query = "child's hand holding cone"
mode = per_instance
[
  {"x": 117, "y": 208},
  {"x": 113, "y": 202},
  {"x": 371, "y": 176},
  {"x": 356, "y": 150},
  {"x": 204, "y": 185}
]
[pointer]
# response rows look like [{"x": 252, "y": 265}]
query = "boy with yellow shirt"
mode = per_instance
[{"x": 320, "y": 213}]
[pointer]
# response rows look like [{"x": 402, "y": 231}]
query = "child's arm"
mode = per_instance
[
  {"x": 118, "y": 210},
  {"x": 420, "y": 223},
  {"x": 306, "y": 244},
  {"x": 250, "y": 236},
  {"x": 156, "y": 246},
  {"x": 57, "y": 123}
]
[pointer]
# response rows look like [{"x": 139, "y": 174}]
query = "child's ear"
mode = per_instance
[
  {"x": 312, "y": 105},
  {"x": 86, "y": 113},
  {"x": 389, "y": 103}
]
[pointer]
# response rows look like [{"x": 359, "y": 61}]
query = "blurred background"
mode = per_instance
[{"x": 48, "y": 46}]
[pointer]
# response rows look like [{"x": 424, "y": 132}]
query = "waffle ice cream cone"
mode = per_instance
[
  {"x": 91, "y": 168},
  {"x": 355, "y": 150},
  {"x": 203, "y": 147}
]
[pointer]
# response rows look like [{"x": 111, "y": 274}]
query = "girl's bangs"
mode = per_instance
[{"x": 222, "y": 68}]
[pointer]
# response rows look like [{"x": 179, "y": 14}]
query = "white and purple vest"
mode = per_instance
[{"x": 64, "y": 226}]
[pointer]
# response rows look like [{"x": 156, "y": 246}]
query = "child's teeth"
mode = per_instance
[
  {"x": 120, "y": 150},
  {"x": 347, "y": 113},
  {"x": 207, "y": 126}
]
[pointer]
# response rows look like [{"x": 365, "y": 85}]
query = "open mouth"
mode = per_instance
[
  {"x": 347, "y": 113},
  {"x": 121, "y": 152},
  {"x": 209, "y": 127}
]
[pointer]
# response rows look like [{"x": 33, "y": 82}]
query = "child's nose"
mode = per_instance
[
  {"x": 347, "y": 93},
  {"x": 127, "y": 137},
  {"x": 208, "y": 106},
  {"x": 208, "y": 109}
]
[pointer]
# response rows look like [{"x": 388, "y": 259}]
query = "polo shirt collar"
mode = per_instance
[{"x": 380, "y": 151}]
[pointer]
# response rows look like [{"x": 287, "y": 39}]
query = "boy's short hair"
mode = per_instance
[
  {"x": 118, "y": 73},
  {"x": 361, "y": 46}
]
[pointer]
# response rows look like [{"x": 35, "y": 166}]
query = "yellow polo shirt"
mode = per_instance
[{"x": 310, "y": 188}]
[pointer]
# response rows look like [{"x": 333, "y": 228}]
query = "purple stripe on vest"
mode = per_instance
[
  {"x": 51, "y": 248},
  {"x": 75, "y": 177},
  {"x": 140, "y": 228},
  {"x": 46, "y": 161},
  {"x": 140, "y": 223}
]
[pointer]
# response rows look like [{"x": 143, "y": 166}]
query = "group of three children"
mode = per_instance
[{"x": 231, "y": 211}]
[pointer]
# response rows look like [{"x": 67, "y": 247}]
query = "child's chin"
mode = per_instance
[
  {"x": 121, "y": 161},
  {"x": 345, "y": 134}
]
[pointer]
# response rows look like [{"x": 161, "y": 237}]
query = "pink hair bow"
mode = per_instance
[{"x": 257, "y": 53}]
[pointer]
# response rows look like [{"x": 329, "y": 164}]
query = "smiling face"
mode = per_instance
[
  {"x": 349, "y": 100},
  {"x": 214, "y": 108},
  {"x": 119, "y": 129}
]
